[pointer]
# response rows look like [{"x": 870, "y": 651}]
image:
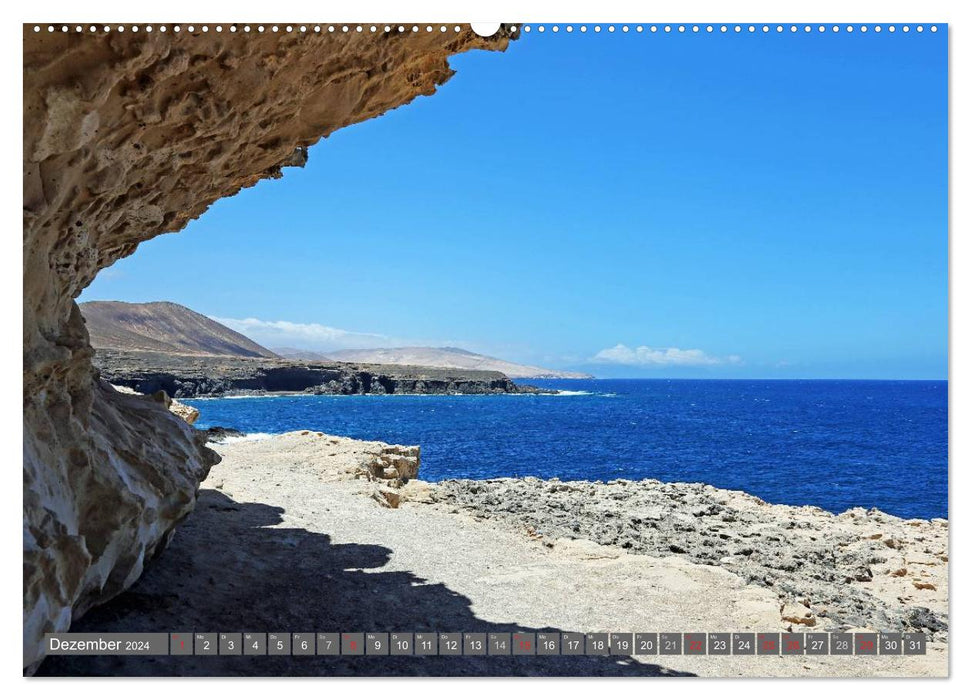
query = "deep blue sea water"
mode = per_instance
[{"x": 834, "y": 444}]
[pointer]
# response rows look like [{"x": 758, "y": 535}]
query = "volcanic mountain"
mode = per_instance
[{"x": 161, "y": 326}]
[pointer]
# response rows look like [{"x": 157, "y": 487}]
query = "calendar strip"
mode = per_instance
[{"x": 488, "y": 644}]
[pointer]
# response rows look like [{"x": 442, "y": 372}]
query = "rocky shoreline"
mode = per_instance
[
  {"x": 195, "y": 376},
  {"x": 861, "y": 569},
  {"x": 309, "y": 531}
]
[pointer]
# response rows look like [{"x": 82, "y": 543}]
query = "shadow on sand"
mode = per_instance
[{"x": 226, "y": 570}]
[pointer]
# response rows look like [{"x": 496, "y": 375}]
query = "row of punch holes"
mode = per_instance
[
  {"x": 257, "y": 28},
  {"x": 555, "y": 28}
]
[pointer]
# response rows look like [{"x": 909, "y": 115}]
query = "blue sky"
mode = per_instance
[{"x": 641, "y": 205}]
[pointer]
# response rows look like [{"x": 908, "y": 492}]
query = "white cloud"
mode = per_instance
[
  {"x": 644, "y": 356},
  {"x": 305, "y": 336}
]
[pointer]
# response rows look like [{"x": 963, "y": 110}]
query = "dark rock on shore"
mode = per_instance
[
  {"x": 217, "y": 433},
  {"x": 188, "y": 376}
]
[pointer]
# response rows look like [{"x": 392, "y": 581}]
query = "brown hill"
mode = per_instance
[{"x": 161, "y": 326}]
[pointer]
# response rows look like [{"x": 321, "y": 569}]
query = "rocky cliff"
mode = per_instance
[
  {"x": 128, "y": 136},
  {"x": 184, "y": 376}
]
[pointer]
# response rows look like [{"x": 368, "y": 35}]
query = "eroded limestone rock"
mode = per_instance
[{"x": 128, "y": 136}]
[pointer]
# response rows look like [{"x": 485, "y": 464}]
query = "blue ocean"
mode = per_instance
[{"x": 833, "y": 444}]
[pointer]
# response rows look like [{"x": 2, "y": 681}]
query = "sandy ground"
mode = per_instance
[{"x": 286, "y": 537}]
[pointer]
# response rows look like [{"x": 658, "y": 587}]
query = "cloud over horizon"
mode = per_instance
[
  {"x": 305, "y": 336},
  {"x": 645, "y": 356}
]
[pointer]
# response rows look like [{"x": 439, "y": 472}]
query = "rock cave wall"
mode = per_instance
[{"x": 128, "y": 136}]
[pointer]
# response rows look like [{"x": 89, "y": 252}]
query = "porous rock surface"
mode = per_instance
[
  {"x": 861, "y": 569},
  {"x": 128, "y": 136}
]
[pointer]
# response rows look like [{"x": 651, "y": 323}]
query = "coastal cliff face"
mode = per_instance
[
  {"x": 128, "y": 136},
  {"x": 182, "y": 376}
]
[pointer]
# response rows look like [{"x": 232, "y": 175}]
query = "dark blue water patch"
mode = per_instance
[{"x": 833, "y": 444}]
